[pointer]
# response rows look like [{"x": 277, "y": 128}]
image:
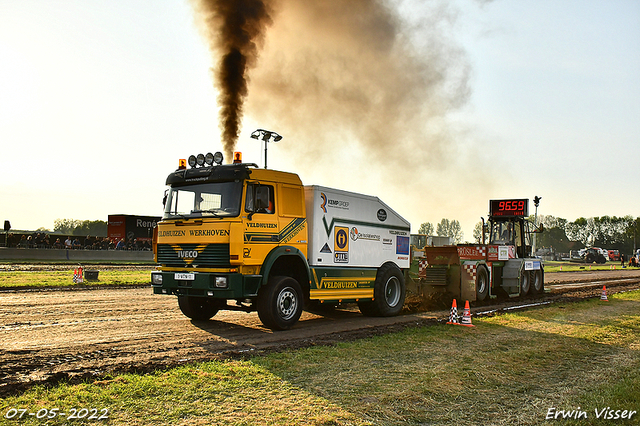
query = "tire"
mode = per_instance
[
  {"x": 590, "y": 258},
  {"x": 537, "y": 282},
  {"x": 482, "y": 283},
  {"x": 525, "y": 283},
  {"x": 388, "y": 293},
  {"x": 198, "y": 308},
  {"x": 280, "y": 303}
]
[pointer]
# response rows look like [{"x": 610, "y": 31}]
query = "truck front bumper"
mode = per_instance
[{"x": 206, "y": 284}]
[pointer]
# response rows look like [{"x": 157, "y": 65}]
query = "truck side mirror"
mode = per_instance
[
  {"x": 164, "y": 199},
  {"x": 7, "y": 226}
]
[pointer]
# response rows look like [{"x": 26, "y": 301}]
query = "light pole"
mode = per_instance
[
  {"x": 266, "y": 135},
  {"x": 536, "y": 202}
]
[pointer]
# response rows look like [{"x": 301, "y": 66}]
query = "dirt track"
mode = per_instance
[{"x": 52, "y": 335}]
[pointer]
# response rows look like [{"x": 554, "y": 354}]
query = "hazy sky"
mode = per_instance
[{"x": 99, "y": 100}]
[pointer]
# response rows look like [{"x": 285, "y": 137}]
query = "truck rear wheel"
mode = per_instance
[
  {"x": 280, "y": 303},
  {"x": 388, "y": 293},
  {"x": 198, "y": 308}
]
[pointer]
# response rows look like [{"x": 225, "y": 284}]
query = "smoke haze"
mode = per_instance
[
  {"x": 356, "y": 72},
  {"x": 357, "y": 88}
]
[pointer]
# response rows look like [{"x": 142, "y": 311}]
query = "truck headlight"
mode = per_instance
[
  {"x": 156, "y": 279},
  {"x": 221, "y": 282}
]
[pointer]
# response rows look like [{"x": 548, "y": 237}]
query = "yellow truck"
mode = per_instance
[{"x": 238, "y": 237}]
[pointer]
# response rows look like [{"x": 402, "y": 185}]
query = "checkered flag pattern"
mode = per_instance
[
  {"x": 422, "y": 268},
  {"x": 471, "y": 269},
  {"x": 453, "y": 316}
]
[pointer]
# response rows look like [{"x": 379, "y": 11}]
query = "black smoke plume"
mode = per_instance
[{"x": 235, "y": 31}]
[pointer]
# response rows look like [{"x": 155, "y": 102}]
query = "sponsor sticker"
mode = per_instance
[
  {"x": 355, "y": 235},
  {"x": 330, "y": 203},
  {"x": 402, "y": 245},
  {"x": 503, "y": 253},
  {"x": 341, "y": 245},
  {"x": 531, "y": 265}
]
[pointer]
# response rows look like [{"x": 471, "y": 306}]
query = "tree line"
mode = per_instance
[
  {"x": 446, "y": 228},
  {"x": 608, "y": 232},
  {"x": 96, "y": 228}
]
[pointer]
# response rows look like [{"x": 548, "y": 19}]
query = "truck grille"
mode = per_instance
[{"x": 210, "y": 255}]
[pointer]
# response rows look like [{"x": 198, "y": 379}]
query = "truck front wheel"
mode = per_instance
[
  {"x": 388, "y": 293},
  {"x": 198, "y": 308},
  {"x": 280, "y": 303}
]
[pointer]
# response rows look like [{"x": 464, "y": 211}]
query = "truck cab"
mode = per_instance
[
  {"x": 225, "y": 230},
  {"x": 237, "y": 237}
]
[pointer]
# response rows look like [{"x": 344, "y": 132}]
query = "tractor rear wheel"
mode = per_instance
[
  {"x": 482, "y": 283},
  {"x": 537, "y": 282},
  {"x": 525, "y": 283}
]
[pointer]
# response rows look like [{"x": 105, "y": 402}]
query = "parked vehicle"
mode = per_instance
[
  {"x": 614, "y": 254},
  {"x": 593, "y": 255}
]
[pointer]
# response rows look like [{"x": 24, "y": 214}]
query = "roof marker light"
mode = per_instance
[
  {"x": 217, "y": 158},
  {"x": 208, "y": 159}
]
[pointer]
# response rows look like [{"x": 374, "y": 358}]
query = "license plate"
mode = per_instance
[{"x": 184, "y": 277}]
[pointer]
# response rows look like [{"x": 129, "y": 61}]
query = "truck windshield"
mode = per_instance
[{"x": 203, "y": 200}]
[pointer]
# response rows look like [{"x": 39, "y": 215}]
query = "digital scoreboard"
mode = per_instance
[{"x": 509, "y": 208}]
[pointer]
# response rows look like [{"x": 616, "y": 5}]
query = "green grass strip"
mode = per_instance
[{"x": 36, "y": 279}]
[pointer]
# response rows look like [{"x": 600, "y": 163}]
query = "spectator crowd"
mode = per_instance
[{"x": 42, "y": 240}]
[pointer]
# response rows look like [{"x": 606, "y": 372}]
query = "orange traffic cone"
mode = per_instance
[
  {"x": 453, "y": 316},
  {"x": 466, "y": 316},
  {"x": 604, "y": 294},
  {"x": 80, "y": 275},
  {"x": 75, "y": 276}
]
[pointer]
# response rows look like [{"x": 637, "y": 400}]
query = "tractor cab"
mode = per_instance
[
  {"x": 508, "y": 225},
  {"x": 511, "y": 232}
]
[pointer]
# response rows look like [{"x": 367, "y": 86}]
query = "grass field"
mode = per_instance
[
  {"x": 516, "y": 368},
  {"x": 559, "y": 266},
  {"x": 64, "y": 278}
]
